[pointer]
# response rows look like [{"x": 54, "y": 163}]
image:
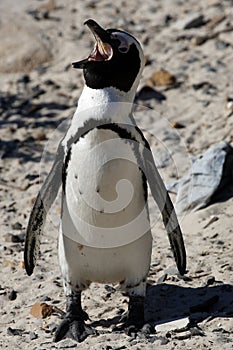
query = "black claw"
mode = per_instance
[
  {"x": 133, "y": 320},
  {"x": 73, "y": 325},
  {"x": 76, "y": 329}
]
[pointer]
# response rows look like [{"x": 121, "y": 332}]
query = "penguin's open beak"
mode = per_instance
[{"x": 102, "y": 49}]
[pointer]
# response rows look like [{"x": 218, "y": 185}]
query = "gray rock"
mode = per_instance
[
  {"x": 180, "y": 324},
  {"x": 209, "y": 180},
  {"x": 194, "y": 20},
  {"x": 66, "y": 344},
  {"x": 33, "y": 336}
]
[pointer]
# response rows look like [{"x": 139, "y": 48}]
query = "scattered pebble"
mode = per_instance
[
  {"x": 12, "y": 294},
  {"x": 195, "y": 21},
  {"x": 210, "y": 280},
  {"x": 147, "y": 93},
  {"x": 211, "y": 221},
  {"x": 162, "y": 279},
  {"x": 161, "y": 78},
  {"x": 181, "y": 323},
  {"x": 17, "y": 226},
  {"x": 41, "y": 310},
  {"x": 177, "y": 125},
  {"x": 66, "y": 344},
  {"x": 33, "y": 336},
  {"x": 221, "y": 45},
  {"x": 9, "y": 237},
  {"x": 14, "y": 331}
]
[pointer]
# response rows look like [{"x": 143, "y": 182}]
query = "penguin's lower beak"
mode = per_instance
[{"x": 102, "y": 49}]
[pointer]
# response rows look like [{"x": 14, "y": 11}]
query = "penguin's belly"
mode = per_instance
[
  {"x": 105, "y": 224},
  {"x": 105, "y": 192}
]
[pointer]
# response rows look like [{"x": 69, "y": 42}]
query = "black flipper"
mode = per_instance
[
  {"x": 162, "y": 198},
  {"x": 43, "y": 203}
]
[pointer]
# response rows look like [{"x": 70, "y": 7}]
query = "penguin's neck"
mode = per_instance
[{"x": 107, "y": 103}]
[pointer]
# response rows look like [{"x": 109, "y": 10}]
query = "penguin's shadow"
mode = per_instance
[{"x": 168, "y": 302}]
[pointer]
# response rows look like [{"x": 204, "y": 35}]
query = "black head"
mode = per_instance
[{"x": 116, "y": 61}]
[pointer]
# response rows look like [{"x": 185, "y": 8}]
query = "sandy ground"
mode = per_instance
[{"x": 39, "y": 92}]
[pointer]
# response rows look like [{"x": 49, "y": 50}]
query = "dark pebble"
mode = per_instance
[
  {"x": 14, "y": 238},
  {"x": 210, "y": 280},
  {"x": 17, "y": 226},
  {"x": 162, "y": 279},
  {"x": 148, "y": 93},
  {"x": 163, "y": 340},
  {"x": 221, "y": 45},
  {"x": 45, "y": 298},
  {"x": 14, "y": 331},
  {"x": 33, "y": 335},
  {"x": 195, "y": 22},
  {"x": 32, "y": 177},
  {"x": 208, "y": 68},
  {"x": 12, "y": 295},
  {"x": 53, "y": 327},
  {"x": 109, "y": 289}
]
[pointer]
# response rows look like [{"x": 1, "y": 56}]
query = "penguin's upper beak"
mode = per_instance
[{"x": 102, "y": 50}]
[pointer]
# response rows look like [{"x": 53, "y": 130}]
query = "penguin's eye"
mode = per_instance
[{"x": 124, "y": 45}]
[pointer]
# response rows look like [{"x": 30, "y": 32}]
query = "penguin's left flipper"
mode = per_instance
[
  {"x": 43, "y": 203},
  {"x": 162, "y": 198}
]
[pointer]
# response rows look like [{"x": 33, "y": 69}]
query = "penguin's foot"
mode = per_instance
[
  {"x": 73, "y": 325},
  {"x": 134, "y": 320},
  {"x": 73, "y": 328}
]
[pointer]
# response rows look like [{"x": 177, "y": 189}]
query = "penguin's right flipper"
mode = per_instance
[{"x": 43, "y": 203}]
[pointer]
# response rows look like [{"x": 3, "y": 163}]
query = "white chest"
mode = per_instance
[{"x": 105, "y": 194}]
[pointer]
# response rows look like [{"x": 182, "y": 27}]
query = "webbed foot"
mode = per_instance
[
  {"x": 73, "y": 325},
  {"x": 134, "y": 320}
]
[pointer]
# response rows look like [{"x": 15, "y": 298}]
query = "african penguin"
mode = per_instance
[{"x": 104, "y": 164}]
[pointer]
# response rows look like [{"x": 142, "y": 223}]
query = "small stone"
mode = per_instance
[
  {"x": 196, "y": 331},
  {"x": 52, "y": 327},
  {"x": 12, "y": 294},
  {"x": 177, "y": 125},
  {"x": 109, "y": 289},
  {"x": 147, "y": 93},
  {"x": 161, "y": 78},
  {"x": 33, "y": 335},
  {"x": 172, "y": 325},
  {"x": 210, "y": 280},
  {"x": 229, "y": 103},
  {"x": 9, "y": 263},
  {"x": 45, "y": 298},
  {"x": 221, "y": 45},
  {"x": 14, "y": 331},
  {"x": 194, "y": 21},
  {"x": 41, "y": 310},
  {"x": 211, "y": 221},
  {"x": 199, "y": 40},
  {"x": 40, "y": 135},
  {"x": 17, "y": 226},
  {"x": 66, "y": 344},
  {"x": 162, "y": 279},
  {"x": 22, "y": 264},
  {"x": 9, "y": 237}
]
